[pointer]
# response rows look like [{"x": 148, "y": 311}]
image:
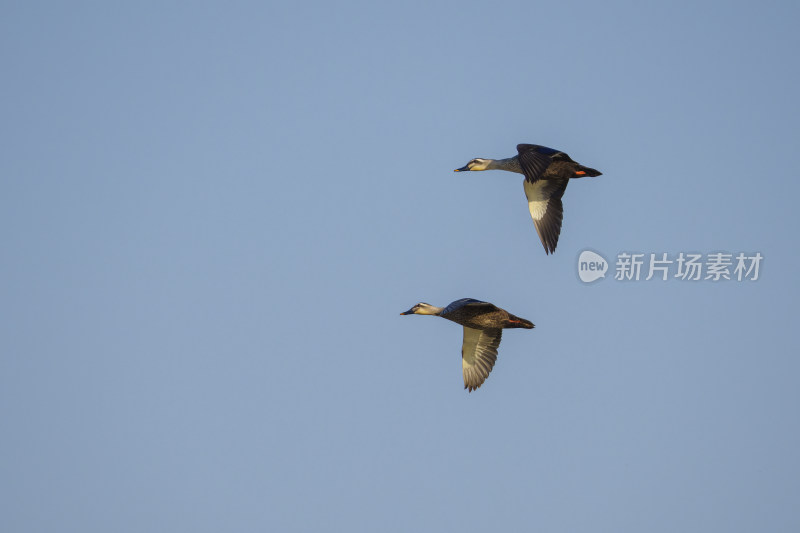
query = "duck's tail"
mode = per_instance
[
  {"x": 517, "y": 322},
  {"x": 583, "y": 171}
]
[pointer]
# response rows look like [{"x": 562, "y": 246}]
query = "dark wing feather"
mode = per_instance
[
  {"x": 547, "y": 211},
  {"x": 538, "y": 148},
  {"x": 458, "y": 304},
  {"x": 478, "y": 355},
  {"x": 533, "y": 161},
  {"x": 561, "y": 156}
]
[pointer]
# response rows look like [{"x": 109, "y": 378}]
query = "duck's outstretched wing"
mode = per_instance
[
  {"x": 478, "y": 355},
  {"x": 463, "y": 302},
  {"x": 535, "y": 159},
  {"x": 547, "y": 212}
]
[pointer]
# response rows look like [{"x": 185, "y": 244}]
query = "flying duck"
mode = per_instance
[
  {"x": 547, "y": 173},
  {"x": 483, "y": 326}
]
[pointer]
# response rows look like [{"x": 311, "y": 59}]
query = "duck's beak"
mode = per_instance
[
  {"x": 462, "y": 169},
  {"x": 409, "y": 312}
]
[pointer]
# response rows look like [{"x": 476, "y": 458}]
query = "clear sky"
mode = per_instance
[{"x": 212, "y": 214}]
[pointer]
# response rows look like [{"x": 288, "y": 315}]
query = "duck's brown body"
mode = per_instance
[
  {"x": 562, "y": 167},
  {"x": 564, "y": 170},
  {"x": 485, "y": 316}
]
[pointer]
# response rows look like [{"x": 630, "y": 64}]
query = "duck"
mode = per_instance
[
  {"x": 483, "y": 328},
  {"x": 547, "y": 172}
]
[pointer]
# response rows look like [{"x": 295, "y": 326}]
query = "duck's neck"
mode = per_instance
[
  {"x": 510, "y": 164},
  {"x": 430, "y": 310}
]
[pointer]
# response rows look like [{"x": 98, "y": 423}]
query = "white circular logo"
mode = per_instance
[{"x": 591, "y": 266}]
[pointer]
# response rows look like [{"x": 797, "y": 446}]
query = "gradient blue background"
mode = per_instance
[{"x": 212, "y": 213}]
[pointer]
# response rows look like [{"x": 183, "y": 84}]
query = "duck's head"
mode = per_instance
[
  {"x": 476, "y": 164},
  {"x": 422, "y": 309}
]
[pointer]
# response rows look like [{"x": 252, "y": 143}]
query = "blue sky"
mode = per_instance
[{"x": 212, "y": 214}]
